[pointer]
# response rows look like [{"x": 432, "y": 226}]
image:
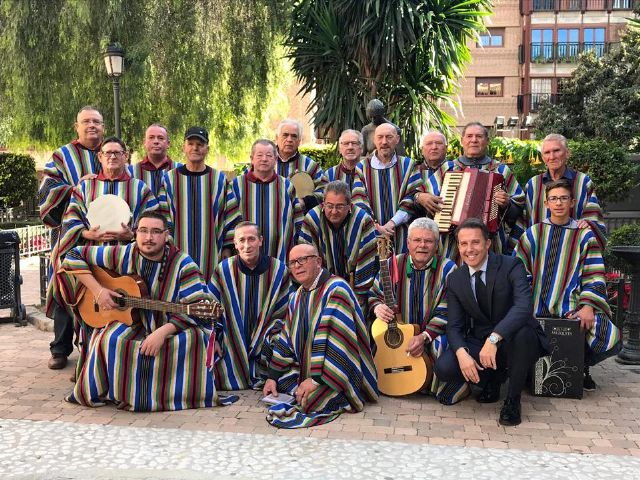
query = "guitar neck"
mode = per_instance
[
  {"x": 387, "y": 285},
  {"x": 156, "y": 305}
]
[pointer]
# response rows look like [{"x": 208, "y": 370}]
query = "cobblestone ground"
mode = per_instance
[{"x": 38, "y": 431}]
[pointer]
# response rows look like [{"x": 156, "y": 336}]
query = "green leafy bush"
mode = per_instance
[
  {"x": 18, "y": 180},
  {"x": 326, "y": 155},
  {"x": 626, "y": 235}
]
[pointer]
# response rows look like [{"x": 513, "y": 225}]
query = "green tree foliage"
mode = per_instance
[
  {"x": 408, "y": 53},
  {"x": 601, "y": 99},
  {"x": 187, "y": 62},
  {"x": 624, "y": 236},
  {"x": 18, "y": 181}
]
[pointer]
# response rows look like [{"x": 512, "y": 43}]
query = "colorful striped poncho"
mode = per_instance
[
  {"x": 133, "y": 191},
  {"x": 586, "y": 206},
  {"x": 271, "y": 205},
  {"x": 347, "y": 251},
  {"x": 149, "y": 174},
  {"x": 115, "y": 370},
  {"x": 301, "y": 163},
  {"x": 194, "y": 203},
  {"x": 253, "y": 300},
  {"x": 512, "y": 226},
  {"x": 324, "y": 337},
  {"x": 355, "y": 179},
  {"x": 392, "y": 189},
  {"x": 67, "y": 166},
  {"x": 567, "y": 272},
  {"x": 421, "y": 296}
]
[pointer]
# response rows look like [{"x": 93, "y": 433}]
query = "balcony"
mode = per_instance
[
  {"x": 579, "y": 5},
  {"x": 565, "y": 52}
]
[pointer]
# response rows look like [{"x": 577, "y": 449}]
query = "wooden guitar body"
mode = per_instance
[
  {"x": 398, "y": 373},
  {"x": 129, "y": 285}
]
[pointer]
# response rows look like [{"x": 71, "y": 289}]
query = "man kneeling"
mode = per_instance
[
  {"x": 159, "y": 363},
  {"x": 322, "y": 354}
]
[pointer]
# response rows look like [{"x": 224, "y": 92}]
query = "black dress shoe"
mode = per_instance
[
  {"x": 57, "y": 361},
  {"x": 490, "y": 393},
  {"x": 510, "y": 413}
]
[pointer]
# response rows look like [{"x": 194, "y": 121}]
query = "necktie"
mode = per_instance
[{"x": 482, "y": 296}]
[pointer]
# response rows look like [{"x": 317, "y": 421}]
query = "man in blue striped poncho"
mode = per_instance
[
  {"x": 253, "y": 289},
  {"x": 345, "y": 236},
  {"x": 322, "y": 354},
  {"x": 566, "y": 267}
]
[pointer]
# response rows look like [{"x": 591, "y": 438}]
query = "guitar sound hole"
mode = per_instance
[
  {"x": 393, "y": 337},
  {"x": 121, "y": 301}
]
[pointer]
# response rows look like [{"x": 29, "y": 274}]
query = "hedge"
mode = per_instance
[{"x": 18, "y": 180}]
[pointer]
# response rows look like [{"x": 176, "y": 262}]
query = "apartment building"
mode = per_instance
[{"x": 530, "y": 46}]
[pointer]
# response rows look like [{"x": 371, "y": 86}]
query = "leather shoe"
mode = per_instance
[
  {"x": 510, "y": 413},
  {"x": 490, "y": 393},
  {"x": 57, "y": 362}
]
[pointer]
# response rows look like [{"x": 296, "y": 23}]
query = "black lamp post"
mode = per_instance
[
  {"x": 630, "y": 353},
  {"x": 113, "y": 60}
]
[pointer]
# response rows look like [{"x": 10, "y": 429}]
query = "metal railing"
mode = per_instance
[
  {"x": 580, "y": 5},
  {"x": 567, "y": 52},
  {"x": 34, "y": 239}
]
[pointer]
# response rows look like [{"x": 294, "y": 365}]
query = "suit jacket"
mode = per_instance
[{"x": 510, "y": 302}]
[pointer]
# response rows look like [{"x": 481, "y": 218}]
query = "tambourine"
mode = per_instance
[{"x": 110, "y": 212}]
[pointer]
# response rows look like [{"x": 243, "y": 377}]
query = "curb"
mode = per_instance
[{"x": 38, "y": 319}]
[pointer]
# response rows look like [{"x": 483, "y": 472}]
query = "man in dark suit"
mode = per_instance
[{"x": 491, "y": 326}]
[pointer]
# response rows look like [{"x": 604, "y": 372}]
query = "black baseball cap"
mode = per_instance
[{"x": 197, "y": 132}]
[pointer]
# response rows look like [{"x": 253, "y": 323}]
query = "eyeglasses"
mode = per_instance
[
  {"x": 340, "y": 207},
  {"x": 153, "y": 231},
  {"x": 350, "y": 144},
  {"x": 561, "y": 199},
  {"x": 300, "y": 261},
  {"x": 113, "y": 154}
]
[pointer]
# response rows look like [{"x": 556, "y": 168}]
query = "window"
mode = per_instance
[
  {"x": 489, "y": 87},
  {"x": 594, "y": 41},
  {"x": 494, "y": 37},
  {"x": 540, "y": 92},
  {"x": 568, "y": 44},
  {"x": 542, "y": 45}
]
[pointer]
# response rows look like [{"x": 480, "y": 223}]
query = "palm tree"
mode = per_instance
[{"x": 408, "y": 53}]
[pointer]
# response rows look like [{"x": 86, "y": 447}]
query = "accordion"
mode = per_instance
[
  {"x": 560, "y": 374},
  {"x": 466, "y": 194}
]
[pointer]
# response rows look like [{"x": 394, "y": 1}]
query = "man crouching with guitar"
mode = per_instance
[
  {"x": 414, "y": 304},
  {"x": 158, "y": 362}
]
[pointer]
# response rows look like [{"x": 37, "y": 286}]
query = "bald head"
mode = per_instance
[
  {"x": 385, "y": 139},
  {"x": 305, "y": 264},
  {"x": 303, "y": 249}
]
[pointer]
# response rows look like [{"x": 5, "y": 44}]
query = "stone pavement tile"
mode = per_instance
[
  {"x": 554, "y": 447},
  {"x": 473, "y": 443},
  {"x": 447, "y": 441},
  {"x": 581, "y": 434},
  {"x": 345, "y": 435},
  {"x": 494, "y": 444},
  {"x": 609, "y": 451}
]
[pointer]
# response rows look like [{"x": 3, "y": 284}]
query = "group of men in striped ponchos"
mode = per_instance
[{"x": 199, "y": 236}]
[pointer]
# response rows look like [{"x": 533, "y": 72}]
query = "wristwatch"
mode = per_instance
[{"x": 494, "y": 339}]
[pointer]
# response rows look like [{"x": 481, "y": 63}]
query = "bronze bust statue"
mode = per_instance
[{"x": 375, "y": 113}]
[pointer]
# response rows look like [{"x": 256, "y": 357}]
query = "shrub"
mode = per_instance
[
  {"x": 326, "y": 155},
  {"x": 626, "y": 235},
  {"x": 18, "y": 180}
]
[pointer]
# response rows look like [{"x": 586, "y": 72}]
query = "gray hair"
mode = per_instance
[
  {"x": 431, "y": 130},
  {"x": 556, "y": 137},
  {"x": 266, "y": 143},
  {"x": 476, "y": 124},
  {"x": 290, "y": 121},
  {"x": 339, "y": 188},
  {"x": 354, "y": 132},
  {"x": 425, "y": 223}
]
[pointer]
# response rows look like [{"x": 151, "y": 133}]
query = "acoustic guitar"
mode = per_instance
[
  {"x": 134, "y": 296},
  {"x": 398, "y": 372}
]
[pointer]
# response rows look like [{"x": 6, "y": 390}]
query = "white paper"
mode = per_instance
[{"x": 281, "y": 398}]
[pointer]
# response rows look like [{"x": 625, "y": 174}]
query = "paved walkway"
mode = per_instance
[{"x": 34, "y": 418}]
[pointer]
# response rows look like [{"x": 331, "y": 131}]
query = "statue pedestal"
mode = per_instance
[{"x": 630, "y": 353}]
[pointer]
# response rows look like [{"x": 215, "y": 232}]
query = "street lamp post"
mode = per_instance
[{"x": 113, "y": 60}]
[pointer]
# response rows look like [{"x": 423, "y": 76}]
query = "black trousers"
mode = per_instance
[
  {"x": 514, "y": 357},
  {"x": 62, "y": 332}
]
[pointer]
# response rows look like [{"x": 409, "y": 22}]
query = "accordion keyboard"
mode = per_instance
[{"x": 448, "y": 192}]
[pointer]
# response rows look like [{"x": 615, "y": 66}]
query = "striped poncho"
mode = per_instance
[
  {"x": 512, "y": 225},
  {"x": 421, "y": 296},
  {"x": 115, "y": 370},
  {"x": 392, "y": 189},
  {"x": 567, "y": 272},
  {"x": 132, "y": 191},
  {"x": 271, "y": 205},
  {"x": 348, "y": 251},
  {"x": 301, "y": 163},
  {"x": 150, "y": 174},
  {"x": 67, "y": 166},
  {"x": 324, "y": 337},
  {"x": 586, "y": 205},
  {"x": 355, "y": 179},
  {"x": 252, "y": 300},
  {"x": 194, "y": 203}
]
